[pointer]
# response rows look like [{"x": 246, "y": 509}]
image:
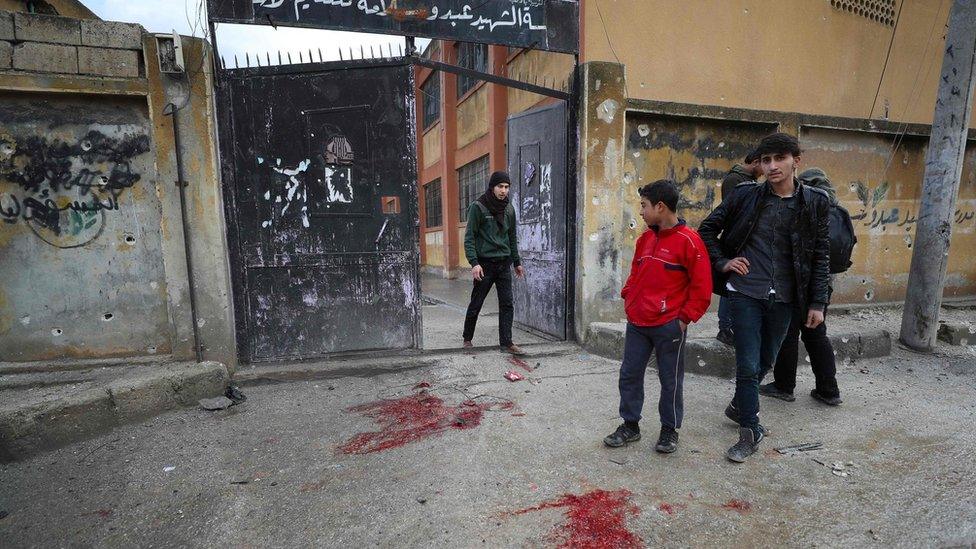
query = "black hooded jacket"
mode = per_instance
[{"x": 726, "y": 230}]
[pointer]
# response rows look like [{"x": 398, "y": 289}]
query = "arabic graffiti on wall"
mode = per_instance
[{"x": 62, "y": 190}]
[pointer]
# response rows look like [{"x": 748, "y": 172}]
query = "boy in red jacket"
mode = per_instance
[{"x": 669, "y": 287}]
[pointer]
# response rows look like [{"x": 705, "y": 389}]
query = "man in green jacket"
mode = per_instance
[{"x": 491, "y": 247}]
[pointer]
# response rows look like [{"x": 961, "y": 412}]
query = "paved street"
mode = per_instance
[
  {"x": 445, "y": 302},
  {"x": 474, "y": 460}
]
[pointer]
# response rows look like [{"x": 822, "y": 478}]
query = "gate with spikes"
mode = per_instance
[{"x": 319, "y": 172}]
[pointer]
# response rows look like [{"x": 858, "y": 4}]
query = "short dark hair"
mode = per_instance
[
  {"x": 751, "y": 157},
  {"x": 662, "y": 190},
  {"x": 777, "y": 143}
]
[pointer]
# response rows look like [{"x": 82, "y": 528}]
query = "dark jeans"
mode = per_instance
[
  {"x": 759, "y": 326},
  {"x": 724, "y": 314},
  {"x": 667, "y": 342},
  {"x": 499, "y": 273},
  {"x": 821, "y": 357}
]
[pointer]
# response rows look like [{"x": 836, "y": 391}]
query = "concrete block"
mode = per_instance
[
  {"x": 606, "y": 339},
  {"x": 108, "y": 62},
  {"x": 845, "y": 346},
  {"x": 111, "y": 34},
  {"x": 6, "y": 25},
  {"x": 52, "y": 29},
  {"x": 875, "y": 344},
  {"x": 957, "y": 334},
  {"x": 196, "y": 381},
  {"x": 37, "y": 57},
  {"x": 6, "y": 54}
]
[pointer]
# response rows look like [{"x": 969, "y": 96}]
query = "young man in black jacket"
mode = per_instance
[
  {"x": 770, "y": 251},
  {"x": 749, "y": 170}
]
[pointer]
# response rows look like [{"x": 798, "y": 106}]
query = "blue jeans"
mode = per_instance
[
  {"x": 759, "y": 327},
  {"x": 724, "y": 314},
  {"x": 667, "y": 342}
]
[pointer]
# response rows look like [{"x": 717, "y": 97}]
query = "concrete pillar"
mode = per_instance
[
  {"x": 600, "y": 194},
  {"x": 449, "y": 183},
  {"x": 497, "y": 110}
]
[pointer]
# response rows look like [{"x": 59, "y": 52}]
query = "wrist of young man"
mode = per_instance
[
  {"x": 474, "y": 263},
  {"x": 818, "y": 307}
]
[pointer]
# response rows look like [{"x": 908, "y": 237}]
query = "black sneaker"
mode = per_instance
[
  {"x": 771, "y": 390},
  {"x": 623, "y": 435},
  {"x": 832, "y": 401},
  {"x": 726, "y": 337},
  {"x": 733, "y": 414},
  {"x": 667, "y": 443},
  {"x": 747, "y": 445}
]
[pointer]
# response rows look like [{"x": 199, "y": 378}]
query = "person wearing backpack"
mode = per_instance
[
  {"x": 491, "y": 247},
  {"x": 770, "y": 250},
  {"x": 815, "y": 340}
]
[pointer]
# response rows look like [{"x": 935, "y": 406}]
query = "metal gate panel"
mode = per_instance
[
  {"x": 537, "y": 163},
  {"x": 320, "y": 169}
]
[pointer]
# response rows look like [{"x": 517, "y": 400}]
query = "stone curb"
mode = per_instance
[
  {"x": 709, "y": 357},
  {"x": 373, "y": 366},
  {"x": 29, "y": 428}
]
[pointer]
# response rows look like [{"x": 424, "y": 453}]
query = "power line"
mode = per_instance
[{"x": 891, "y": 42}]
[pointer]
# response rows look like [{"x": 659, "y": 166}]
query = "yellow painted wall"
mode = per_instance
[
  {"x": 534, "y": 66},
  {"x": 719, "y": 52},
  {"x": 472, "y": 117},
  {"x": 884, "y": 205},
  {"x": 434, "y": 241},
  {"x": 432, "y": 145}
]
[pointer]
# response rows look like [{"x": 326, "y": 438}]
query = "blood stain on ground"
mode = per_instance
[
  {"x": 670, "y": 508},
  {"x": 520, "y": 363},
  {"x": 738, "y": 505},
  {"x": 412, "y": 418},
  {"x": 422, "y": 385},
  {"x": 595, "y": 520}
]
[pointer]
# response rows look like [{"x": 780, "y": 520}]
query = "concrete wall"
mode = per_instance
[
  {"x": 828, "y": 61},
  {"x": 876, "y": 168},
  {"x": 93, "y": 263}
]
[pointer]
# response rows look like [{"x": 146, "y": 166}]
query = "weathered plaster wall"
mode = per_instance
[
  {"x": 883, "y": 199},
  {"x": 93, "y": 260},
  {"x": 80, "y": 241},
  {"x": 825, "y": 61},
  {"x": 876, "y": 168}
]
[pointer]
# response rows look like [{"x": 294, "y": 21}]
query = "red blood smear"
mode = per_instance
[
  {"x": 520, "y": 363},
  {"x": 594, "y": 520},
  {"x": 104, "y": 513},
  {"x": 738, "y": 505},
  {"x": 666, "y": 508},
  {"x": 422, "y": 385},
  {"x": 413, "y": 418}
]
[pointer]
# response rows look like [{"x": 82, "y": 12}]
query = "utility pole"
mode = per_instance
[{"x": 943, "y": 169}]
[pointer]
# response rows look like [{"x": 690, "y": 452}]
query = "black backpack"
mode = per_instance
[{"x": 842, "y": 239}]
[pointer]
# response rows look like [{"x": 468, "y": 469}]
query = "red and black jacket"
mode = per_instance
[{"x": 670, "y": 277}]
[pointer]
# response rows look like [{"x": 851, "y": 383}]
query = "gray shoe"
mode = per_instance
[
  {"x": 747, "y": 445},
  {"x": 667, "y": 443},
  {"x": 771, "y": 390},
  {"x": 623, "y": 435}
]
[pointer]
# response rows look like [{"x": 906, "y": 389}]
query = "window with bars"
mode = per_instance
[
  {"x": 472, "y": 181},
  {"x": 474, "y": 57},
  {"x": 431, "y": 91},
  {"x": 432, "y": 204}
]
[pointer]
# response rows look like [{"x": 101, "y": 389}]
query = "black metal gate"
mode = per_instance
[
  {"x": 537, "y": 162},
  {"x": 319, "y": 165}
]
